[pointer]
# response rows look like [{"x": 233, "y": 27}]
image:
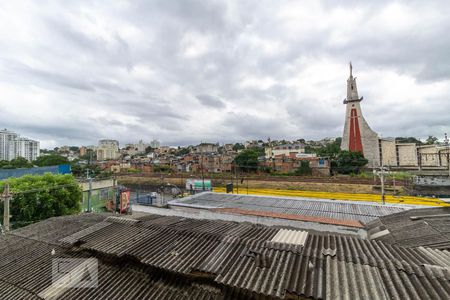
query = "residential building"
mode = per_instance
[
  {"x": 205, "y": 148},
  {"x": 7, "y": 139},
  {"x": 27, "y": 148},
  {"x": 83, "y": 151},
  {"x": 108, "y": 142},
  {"x": 162, "y": 150},
  {"x": 13, "y": 146},
  {"x": 284, "y": 149},
  {"x": 107, "y": 149}
]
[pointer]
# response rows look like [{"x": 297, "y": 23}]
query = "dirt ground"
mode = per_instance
[{"x": 302, "y": 186}]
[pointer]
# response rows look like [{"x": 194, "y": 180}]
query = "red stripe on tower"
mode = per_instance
[{"x": 355, "y": 143}]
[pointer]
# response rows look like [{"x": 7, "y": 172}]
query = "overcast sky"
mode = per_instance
[{"x": 72, "y": 72}]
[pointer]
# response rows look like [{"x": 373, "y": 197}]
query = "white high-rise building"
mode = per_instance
[
  {"x": 7, "y": 144},
  {"x": 13, "y": 146},
  {"x": 27, "y": 148}
]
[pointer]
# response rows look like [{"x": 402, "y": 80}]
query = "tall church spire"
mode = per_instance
[
  {"x": 352, "y": 90},
  {"x": 357, "y": 136}
]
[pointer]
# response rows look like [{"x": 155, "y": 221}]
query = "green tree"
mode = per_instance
[
  {"x": 149, "y": 149},
  {"x": 238, "y": 146},
  {"x": 408, "y": 140},
  {"x": 431, "y": 140},
  {"x": 40, "y": 197},
  {"x": 247, "y": 160},
  {"x": 304, "y": 168},
  {"x": 20, "y": 162},
  {"x": 182, "y": 151},
  {"x": 50, "y": 160},
  {"x": 348, "y": 162},
  {"x": 330, "y": 150}
]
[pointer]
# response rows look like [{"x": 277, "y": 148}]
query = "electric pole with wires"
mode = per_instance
[
  {"x": 448, "y": 153},
  {"x": 381, "y": 174},
  {"x": 6, "y": 198}
]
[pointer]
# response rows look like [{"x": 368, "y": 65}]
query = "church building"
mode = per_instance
[{"x": 358, "y": 136}]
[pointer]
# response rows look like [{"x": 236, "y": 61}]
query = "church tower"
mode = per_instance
[{"x": 358, "y": 136}]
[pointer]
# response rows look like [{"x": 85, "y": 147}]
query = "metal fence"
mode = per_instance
[{"x": 60, "y": 169}]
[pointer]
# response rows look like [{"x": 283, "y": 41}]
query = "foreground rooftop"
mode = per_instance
[{"x": 164, "y": 257}]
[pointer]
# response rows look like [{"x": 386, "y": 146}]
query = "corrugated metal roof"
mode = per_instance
[{"x": 333, "y": 209}]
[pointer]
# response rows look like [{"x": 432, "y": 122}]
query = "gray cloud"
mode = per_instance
[
  {"x": 210, "y": 101},
  {"x": 191, "y": 71}
]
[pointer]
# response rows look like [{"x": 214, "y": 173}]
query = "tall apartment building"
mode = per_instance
[
  {"x": 107, "y": 149},
  {"x": 13, "y": 146},
  {"x": 27, "y": 148}
]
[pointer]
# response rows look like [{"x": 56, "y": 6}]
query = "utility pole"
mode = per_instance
[
  {"x": 203, "y": 176},
  {"x": 6, "y": 198},
  {"x": 90, "y": 190},
  {"x": 393, "y": 179},
  {"x": 448, "y": 154},
  {"x": 247, "y": 184},
  {"x": 237, "y": 179},
  {"x": 381, "y": 174}
]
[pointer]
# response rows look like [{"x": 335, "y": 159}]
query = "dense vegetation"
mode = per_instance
[
  {"x": 247, "y": 160},
  {"x": 304, "y": 168},
  {"x": 16, "y": 163},
  {"x": 50, "y": 160},
  {"x": 39, "y": 197},
  {"x": 347, "y": 162},
  {"x": 342, "y": 162}
]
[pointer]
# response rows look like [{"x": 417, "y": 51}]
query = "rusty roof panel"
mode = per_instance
[{"x": 296, "y": 217}]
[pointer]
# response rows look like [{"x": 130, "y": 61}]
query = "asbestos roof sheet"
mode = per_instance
[
  {"x": 295, "y": 237},
  {"x": 152, "y": 258},
  {"x": 333, "y": 209},
  {"x": 428, "y": 227}
]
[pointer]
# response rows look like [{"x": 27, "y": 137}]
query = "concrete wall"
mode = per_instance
[
  {"x": 97, "y": 184},
  {"x": 432, "y": 180},
  {"x": 429, "y": 156},
  {"x": 388, "y": 152},
  {"x": 407, "y": 155}
]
